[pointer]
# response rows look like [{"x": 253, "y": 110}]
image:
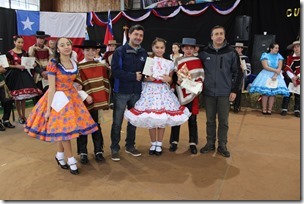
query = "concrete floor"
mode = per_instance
[{"x": 264, "y": 165}]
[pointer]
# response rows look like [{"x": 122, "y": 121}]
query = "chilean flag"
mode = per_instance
[
  {"x": 109, "y": 31},
  {"x": 55, "y": 24}
]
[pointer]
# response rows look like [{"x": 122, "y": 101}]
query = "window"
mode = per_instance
[{"x": 33, "y": 5}]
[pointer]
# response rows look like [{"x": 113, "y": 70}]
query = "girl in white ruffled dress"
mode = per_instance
[{"x": 158, "y": 107}]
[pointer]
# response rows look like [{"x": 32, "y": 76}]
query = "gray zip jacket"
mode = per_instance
[{"x": 222, "y": 68}]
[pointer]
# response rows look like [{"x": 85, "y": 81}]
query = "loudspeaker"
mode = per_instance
[
  {"x": 260, "y": 45},
  {"x": 242, "y": 28}
]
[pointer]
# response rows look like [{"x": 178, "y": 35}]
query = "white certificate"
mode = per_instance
[
  {"x": 161, "y": 67},
  {"x": 83, "y": 94},
  {"x": 192, "y": 86},
  {"x": 148, "y": 68},
  {"x": 243, "y": 65},
  {"x": 28, "y": 62},
  {"x": 44, "y": 82},
  {"x": 271, "y": 84},
  {"x": 294, "y": 89},
  {"x": 3, "y": 61},
  {"x": 59, "y": 101}
]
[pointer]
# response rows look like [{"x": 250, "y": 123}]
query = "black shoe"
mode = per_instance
[
  {"x": 151, "y": 152},
  {"x": 223, "y": 151},
  {"x": 115, "y": 156},
  {"x": 21, "y": 121},
  {"x": 99, "y": 157},
  {"x": 84, "y": 158},
  {"x": 2, "y": 128},
  {"x": 7, "y": 124},
  {"x": 134, "y": 152},
  {"x": 72, "y": 164},
  {"x": 207, "y": 148},
  {"x": 158, "y": 153},
  {"x": 236, "y": 110},
  {"x": 193, "y": 149},
  {"x": 283, "y": 113},
  {"x": 75, "y": 172},
  {"x": 173, "y": 147},
  {"x": 297, "y": 114},
  {"x": 65, "y": 166}
]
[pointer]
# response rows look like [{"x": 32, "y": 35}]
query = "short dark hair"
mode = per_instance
[
  {"x": 216, "y": 27},
  {"x": 136, "y": 27}
]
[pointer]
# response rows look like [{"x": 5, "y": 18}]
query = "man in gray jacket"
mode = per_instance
[{"x": 222, "y": 81}]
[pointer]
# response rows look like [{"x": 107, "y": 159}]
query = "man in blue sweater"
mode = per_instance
[{"x": 127, "y": 65}]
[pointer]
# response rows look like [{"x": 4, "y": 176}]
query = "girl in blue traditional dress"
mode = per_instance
[{"x": 272, "y": 62}]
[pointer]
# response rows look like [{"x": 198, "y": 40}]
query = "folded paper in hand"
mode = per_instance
[
  {"x": 183, "y": 73},
  {"x": 45, "y": 82},
  {"x": 3, "y": 61},
  {"x": 28, "y": 62},
  {"x": 59, "y": 101},
  {"x": 148, "y": 68},
  {"x": 271, "y": 84},
  {"x": 157, "y": 67},
  {"x": 294, "y": 89},
  {"x": 83, "y": 94},
  {"x": 192, "y": 86}
]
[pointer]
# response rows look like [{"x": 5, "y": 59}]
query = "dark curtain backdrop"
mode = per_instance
[
  {"x": 271, "y": 16},
  {"x": 173, "y": 29},
  {"x": 267, "y": 15},
  {"x": 8, "y": 28}
]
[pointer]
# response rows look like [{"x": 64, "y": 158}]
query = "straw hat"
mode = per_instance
[
  {"x": 239, "y": 44},
  {"x": 113, "y": 42},
  {"x": 290, "y": 47}
]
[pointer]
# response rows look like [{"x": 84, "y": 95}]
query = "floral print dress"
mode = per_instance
[{"x": 71, "y": 121}]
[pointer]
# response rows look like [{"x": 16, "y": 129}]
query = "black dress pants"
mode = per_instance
[
  {"x": 192, "y": 127},
  {"x": 97, "y": 137}
]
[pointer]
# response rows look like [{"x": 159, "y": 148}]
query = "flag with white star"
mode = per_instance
[{"x": 28, "y": 22}]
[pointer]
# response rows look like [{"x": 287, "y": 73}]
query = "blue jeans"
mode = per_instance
[
  {"x": 121, "y": 101},
  {"x": 220, "y": 106}
]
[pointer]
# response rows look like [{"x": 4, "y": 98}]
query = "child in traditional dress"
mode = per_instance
[
  {"x": 175, "y": 52},
  {"x": 195, "y": 72},
  {"x": 93, "y": 76},
  {"x": 158, "y": 106},
  {"x": 272, "y": 62},
  {"x": 19, "y": 80},
  {"x": 60, "y": 115}
]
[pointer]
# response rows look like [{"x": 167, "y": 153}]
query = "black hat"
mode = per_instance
[
  {"x": 189, "y": 41},
  {"x": 41, "y": 34},
  {"x": 89, "y": 44}
]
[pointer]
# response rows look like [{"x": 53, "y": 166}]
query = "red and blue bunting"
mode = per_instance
[{"x": 94, "y": 20}]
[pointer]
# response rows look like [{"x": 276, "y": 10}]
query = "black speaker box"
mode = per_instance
[
  {"x": 260, "y": 45},
  {"x": 242, "y": 28}
]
